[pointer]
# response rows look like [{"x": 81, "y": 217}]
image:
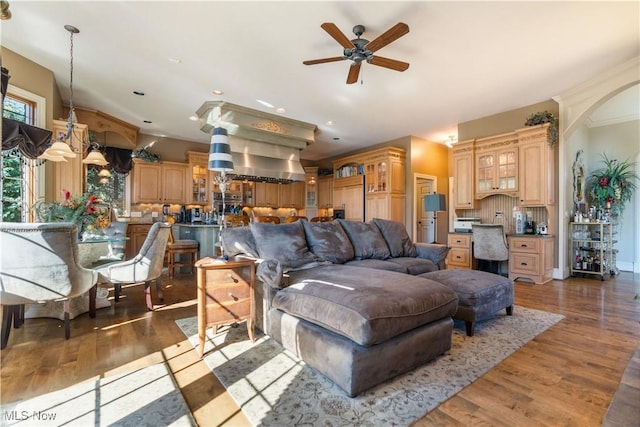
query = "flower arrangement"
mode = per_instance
[
  {"x": 545, "y": 117},
  {"x": 82, "y": 210},
  {"x": 612, "y": 186}
]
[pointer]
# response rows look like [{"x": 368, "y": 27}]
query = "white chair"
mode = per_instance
[
  {"x": 40, "y": 263},
  {"x": 143, "y": 268},
  {"x": 490, "y": 244}
]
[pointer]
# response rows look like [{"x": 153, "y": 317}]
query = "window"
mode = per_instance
[
  {"x": 19, "y": 174},
  {"x": 111, "y": 190}
]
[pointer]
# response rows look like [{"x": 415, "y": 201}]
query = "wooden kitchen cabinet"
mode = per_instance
[
  {"x": 266, "y": 194},
  {"x": 70, "y": 175},
  {"x": 384, "y": 172},
  {"x": 137, "y": 233},
  {"x": 531, "y": 257},
  {"x": 325, "y": 192},
  {"x": 460, "y": 255},
  {"x": 463, "y": 173},
  {"x": 200, "y": 189},
  {"x": 348, "y": 194},
  {"x": 162, "y": 182},
  {"x": 225, "y": 295},
  {"x": 536, "y": 171},
  {"x": 292, "y": 195},
  {"x": 496, "y": 166}
]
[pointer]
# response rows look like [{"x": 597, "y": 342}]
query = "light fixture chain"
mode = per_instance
[{"x": 71, "y": 72}]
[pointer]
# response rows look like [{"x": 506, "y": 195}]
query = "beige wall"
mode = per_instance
[
  {"x": 503, "y": 122},
  {"x": 36, "y": 79}
]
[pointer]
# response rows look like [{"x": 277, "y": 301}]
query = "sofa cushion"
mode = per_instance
[
  {"x": 366, "y": 239},
  {"x": 365, "y": 305},
  {"x": 415, "y": 266},
  {"x": 328, "y": 241},
  {"x": 238, "y": 241},
  {"x": 378, "y": 264},
  {"x": 397, "y": 238},
  {"x": 283, "y": 242}
]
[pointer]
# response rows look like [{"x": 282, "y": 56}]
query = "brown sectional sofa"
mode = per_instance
[{"x": 345, "y": 296}]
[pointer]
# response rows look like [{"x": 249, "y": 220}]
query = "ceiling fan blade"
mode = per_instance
[
  {"x": 392, "y": 64},
  {"x": 354, "y": 72},
  {"x": 338, "y": 35},
  {"x": 323, "y": 60},
  {"x": 392, "y": 34}
]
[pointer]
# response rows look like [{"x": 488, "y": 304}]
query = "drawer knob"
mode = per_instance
[
  {"x": 523, "y": 263},
  {"x": 233, "y": 297},
  {"x": 233, "y": 278},
  {"x": 523, "y": 246},
  {"x": 458, "y": 256}
]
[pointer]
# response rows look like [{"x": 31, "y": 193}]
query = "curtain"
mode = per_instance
[
  {"x": 31, "y": 141},
  {"x": 119, "y": 160}
]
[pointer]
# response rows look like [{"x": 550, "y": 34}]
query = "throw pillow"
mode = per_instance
[
  {"x": 396, "y": 236},
  {"x": 283, "y": 242},
  {"x": 328, "y": 241},
  {"x": 238, "y": 241},
  {"x": 366, "y": 239}
]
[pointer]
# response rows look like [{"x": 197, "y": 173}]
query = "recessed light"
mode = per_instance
[
  {"x": 217, "y": 92},
  {"x": 193, "y": 118},
  {"x": 148, "y": 121},
  {"x": 336, "y": 138},
  {"x": 280, "y": 110},
  {"x": 175, "y": 60},
  {"x": 138, "y": 92},
  {"x": 329, "y": 123},
  {"x": 265, "y": 103}
]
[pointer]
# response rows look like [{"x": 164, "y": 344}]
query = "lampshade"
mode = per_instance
[
  {"x": 47, "y": 155},
  {"x": 95, "y": 157},
  {"x": 220, "y": 159},
  {"x": 60, "y": 148},
  {"x": 435, "y": 202},
  {"x": 104, "y": 173}
]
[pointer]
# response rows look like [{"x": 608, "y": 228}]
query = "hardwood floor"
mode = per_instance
[{"x": 567, "y": 376}]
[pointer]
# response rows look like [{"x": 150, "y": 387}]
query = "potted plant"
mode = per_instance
[
  {"x": 611, "y": 186},
  {"x": 542, "y": 117}
]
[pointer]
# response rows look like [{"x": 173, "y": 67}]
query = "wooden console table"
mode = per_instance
[{"x": 225, "y": 294}]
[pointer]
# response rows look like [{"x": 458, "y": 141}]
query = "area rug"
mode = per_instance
[
  {"x": 146, "y": 397},
  {"x": 275, "y": 388}
]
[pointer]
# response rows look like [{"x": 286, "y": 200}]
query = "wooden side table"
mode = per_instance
[{"x": 225, "y": 294}]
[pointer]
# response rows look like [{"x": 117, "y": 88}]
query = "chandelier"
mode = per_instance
[{"x": 60, "y": 150}]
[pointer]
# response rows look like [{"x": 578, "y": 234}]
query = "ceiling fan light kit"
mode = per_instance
[{"x": 359, "y": 49}]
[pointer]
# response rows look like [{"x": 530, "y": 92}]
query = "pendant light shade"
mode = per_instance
[
  {"x": 60, "y": 148},
  {"x": 95, "y": 157},
  {"x": 51, "y": 157},
  {"x": 104, "y": 173},
  {"x": 220, "y": 159}
]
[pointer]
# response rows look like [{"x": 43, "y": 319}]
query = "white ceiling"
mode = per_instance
[{"x": 468, "y": 60}]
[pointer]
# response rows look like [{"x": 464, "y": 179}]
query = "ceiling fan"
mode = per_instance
[{"x": 358, "y": 50}]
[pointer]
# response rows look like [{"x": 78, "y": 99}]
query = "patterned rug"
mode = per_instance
[
  {"x": 274, "y": 388},
  {"x": 146, "y": 397}
]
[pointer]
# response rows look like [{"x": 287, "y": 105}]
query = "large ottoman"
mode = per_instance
[{"x": 480, "y": 294}]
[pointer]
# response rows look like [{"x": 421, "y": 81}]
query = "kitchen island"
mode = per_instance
[{"x": 205, "y": 234}]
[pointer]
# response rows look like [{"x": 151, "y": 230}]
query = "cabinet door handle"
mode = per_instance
[
  {"x": 458, "y": 256},
  {"x": 523, "y": 246},
  {"x": 233, "y": 278},
  {"x": 233, "y": 297}
]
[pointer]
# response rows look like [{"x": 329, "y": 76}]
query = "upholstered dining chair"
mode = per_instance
[
  {"x": 267, "y": 218},
  {"x": 294, "y": 218},
  {"x": 237, "y": 220},
  {"x": 143, "y": 268},
  {"x": 39, "y": 263},
  {"x": 490, "y": 244},
  {"x": 322, "y": 219}
]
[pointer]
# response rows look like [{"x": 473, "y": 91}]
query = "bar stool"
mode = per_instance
[{"x": 178, "y": 247}]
